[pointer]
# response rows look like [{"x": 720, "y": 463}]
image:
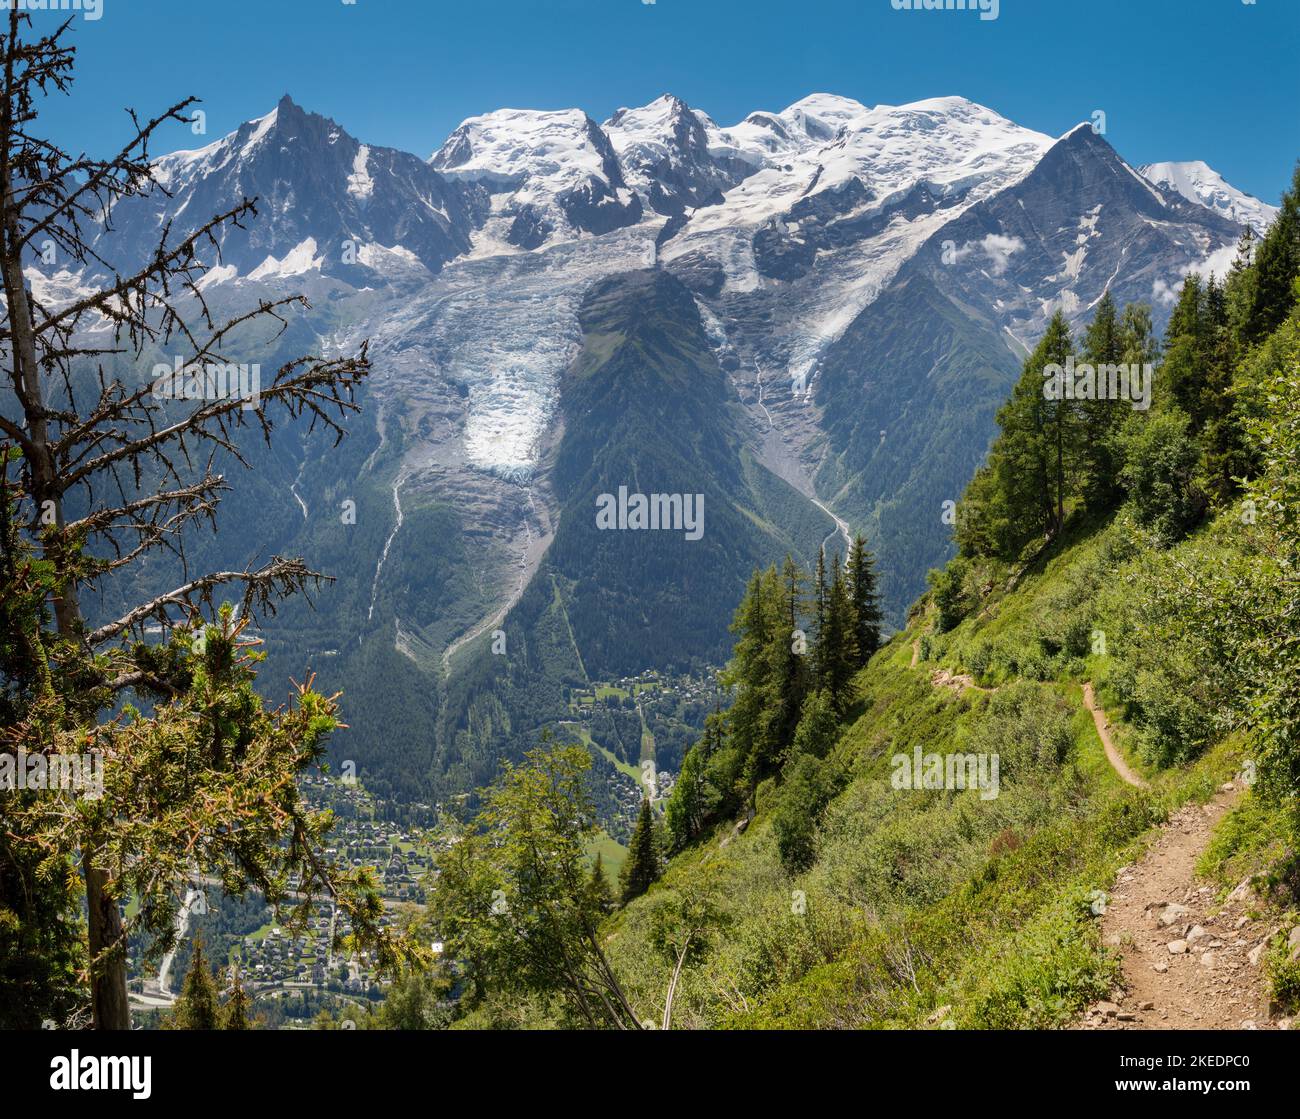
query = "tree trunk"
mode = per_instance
[
  {"x": 108, "y": 980},
  {"x": 672, "y": 985},
  {"x": 108, "y": 975}
]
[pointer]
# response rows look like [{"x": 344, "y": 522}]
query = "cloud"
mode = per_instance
[
  {"x": 1217, "y": 263},
  {"x": 996, "y": 247}
]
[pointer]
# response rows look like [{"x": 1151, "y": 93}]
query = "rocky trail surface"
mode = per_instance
[{"x": 1190, "y": 962}]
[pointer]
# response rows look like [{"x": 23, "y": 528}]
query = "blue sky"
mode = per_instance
[{"x": 1178, "y": 79}]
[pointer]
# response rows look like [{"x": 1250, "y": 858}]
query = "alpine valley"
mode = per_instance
[{"x": 809, "y": 318}]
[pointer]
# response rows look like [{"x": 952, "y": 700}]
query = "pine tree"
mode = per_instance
[
  {"x": 1027, "y": 462},
  {"x": 694, "y": 799},
  {"x": 642, "y": 866},
  {"x": 1241, "y": 285},
  {"x": 236, "y": 1009},
  {"x": 743, "y": 673},
  {"x": 790, "y": 666},
  {"x": 1201, "y": 346},
  {"x": 759, "y": 624},
  {"x": 1277, "y": 264},
  {"x": 196, "y": 1008},
  {"x": 1061, "y": 421},
  {"x": 1103, "y": 345},
  {"x": 866, "y": 599},
  {"x": 541, "y": 938},
  {"x": 837, "y": 646},
  {"x": 1223, "y": 454},
  {"x": 711, "y": 741},
  {"x": 1033, "y": 468},
  {"x": 113, "y": 479},
  {"x": 819, "y": 593},
  {"x": 1138, "y": 343}
]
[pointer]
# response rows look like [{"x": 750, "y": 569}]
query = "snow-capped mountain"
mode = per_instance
[
  {"x": 1198, "y": 182},
  {"x": 809, "y": 123},
  {"x": 867, "y": 279},
  {"x": 676, "y": 157},
  {"x": 551, "y": 175},
  {"x": 786, "y": 226},
  {"x": 327, "y": 203},
  {"x": 823, "y": 227},
  {"x": 1081, "y": 223}
]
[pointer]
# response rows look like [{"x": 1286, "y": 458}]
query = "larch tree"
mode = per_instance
[
  {"x": 642, "y": 866},
  {"x": 198, "y": 775}
]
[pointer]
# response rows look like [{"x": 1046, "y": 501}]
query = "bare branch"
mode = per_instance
[{"x": 277, "y": 579}]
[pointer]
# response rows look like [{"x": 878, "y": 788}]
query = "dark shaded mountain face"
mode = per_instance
[
  {"x": 817, "y": 309},
  {"x": 908, "y": 397},
  {"x": 647, "y": 408},
  {"x": 647, "y": 411}
]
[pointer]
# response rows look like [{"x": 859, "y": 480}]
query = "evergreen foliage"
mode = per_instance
[{"x": 642, "y": 865}]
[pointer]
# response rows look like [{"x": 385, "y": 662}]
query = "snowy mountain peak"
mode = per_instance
[
  {"x": 675, "y": 157},
  {"x": 552, "y": 174},
  {"x": 826, "y": 113},
  {"x": 326, "y": 202},
  {"x": 1198, "y": 182},
  {"x": 663, "y": 109},
  {"x": 510, "y": 144}
]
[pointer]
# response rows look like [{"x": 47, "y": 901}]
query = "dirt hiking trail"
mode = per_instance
[
  {"x": 1113, "y": 755},
  {"x": 1190, "y": 963}
]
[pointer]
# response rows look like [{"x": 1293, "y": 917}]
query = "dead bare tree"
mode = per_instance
[{"x": 141, "y": 467}]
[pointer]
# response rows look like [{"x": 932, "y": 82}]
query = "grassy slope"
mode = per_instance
[{"x": 940, "y": 907}]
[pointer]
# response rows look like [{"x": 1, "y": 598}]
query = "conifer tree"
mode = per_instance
[
  {"x": 1138, "y": 342},
  {"x": 1103, "y": 345},
  {"x": 837, "y": 647},
  {"x": 1241, "y": 285},
  {"x": 196, "y": 1008},
  {"x": 235, "y": 1016},
  {"x": 790, "y": 664},
  {"x": 642, "y": 866},
  {"x": 1027, "y": 460},
  {"x": 113, "y": 483},
  {"x": 1277, "y": 264},
  {"x": 539, "y": 935},
  {"x": 866, "y": 599},
  {"x": 744, "y": 673},
  {"x": 1019, "y": 495},
  {"x": 695, "y": 798},
  {"x": 1060, "y": 417},
  {"x": 819, "y": 592}
]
